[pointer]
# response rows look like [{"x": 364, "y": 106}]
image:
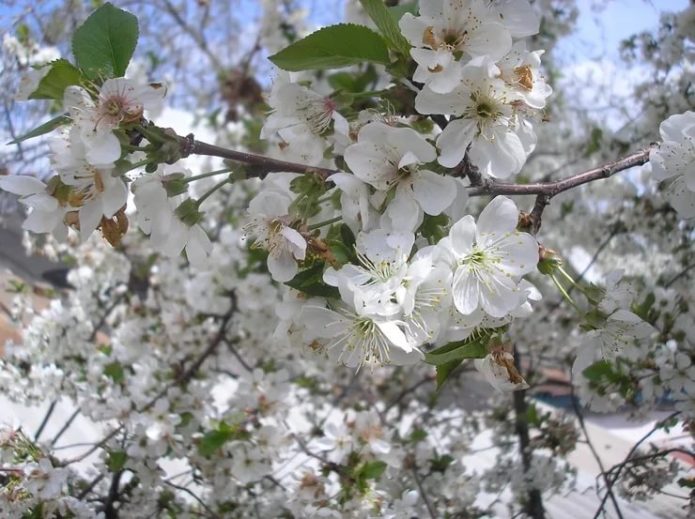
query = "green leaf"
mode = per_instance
[
  {"x": 115, "y": 372},
  {"x": 105, "y": 42},
  {"x": 43, "y": 129},
  {"x": 468, "y": 349},
  {"x": 387, "y": 25},
  {"x": 334, "y": 46},
  {"x": 371, "y": 470},
  {"x": 444, "y": 370},
  {"x": 594, "y": 143},
  {"x": 397, "y": 11},
  {"x": 434, "y": 228},
  {"x": 353, "y": 82},
  {"x": 116, "y": 461},
  {"x": 310, "y": 282},
  {"x": 213, "y": 440},
  {"x": 61, "y": 75},
  {"x": 597, "y": 371},
  {"x": 441, "y": 463}
]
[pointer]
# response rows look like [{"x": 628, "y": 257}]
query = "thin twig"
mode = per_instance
[
  {"x": 46, "y": 417},
  {"x": 65, "y": 426},
  {"x": 188, "y": 491},
  {"x": 426, "y": 499},
  {"x": 618, "y": 468},
  {"x": 599, "y": 462}
]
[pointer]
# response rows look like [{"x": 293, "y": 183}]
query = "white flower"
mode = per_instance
[
  {"x": 675, "y": 157},
  {"x": 294, "y": 105},
  {"x": 520, "y": 69},
  {"x": 268, "y": 224},
  {"x": 489, "y": 258},
  {"x": 499, "y": 139},
  {"x": 155, "y": 213},
  {"x": 357, "y": 340},
  {"x": 354, "y": 201},
  {"x": 192, "y": 238},
  {"x": 95, "y": 193},
  {"x": 371, "y": 286},
  {"x": 47, "y": 212},
  {"x": 386, "y": 158},
  {"x": 449, "y": 32},
  {"x": 120, "y": 101},
  {"x": 44, "y": 481}
]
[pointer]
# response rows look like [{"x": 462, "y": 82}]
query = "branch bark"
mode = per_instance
[{"x": 263, "y": 165}]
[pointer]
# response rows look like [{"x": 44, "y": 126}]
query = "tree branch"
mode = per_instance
[
  {"x": 534, "y": 506},
  {"x": 481, "y": 187}
]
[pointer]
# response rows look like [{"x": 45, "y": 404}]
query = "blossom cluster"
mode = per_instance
[{"x": 220, "y": 383}]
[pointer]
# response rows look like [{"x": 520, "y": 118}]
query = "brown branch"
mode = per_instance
[
  {"x": 551, "y": 189},
  {"x": 264, "y": 165}
]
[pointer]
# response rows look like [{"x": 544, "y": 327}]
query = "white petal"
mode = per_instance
[
  {"x": 490, "y": 39},
  {"x": 462, "y": 235},
  {"x": 103, "y": 149},
  {"x": 465, "y": 291},
  {"x": 90, "y": 216},
  {"x": 297, "y": 241},
  {"x": 454, "y": 141},
  {"x": 283, "y": 266},
  {"x": 114, "y": 197},
  {"x": 433, "y": 192},
  {"x": 21, "y": 185},
  {"x": 499, "y": 216}
]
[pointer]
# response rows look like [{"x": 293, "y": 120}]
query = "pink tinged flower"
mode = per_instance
[
  {"x": 450, "y": 32},
  {"x": 489, "y": 259},
  {"x": 120, "y": 101}
]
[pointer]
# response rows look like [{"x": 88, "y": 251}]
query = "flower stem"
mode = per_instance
[
  {"x": 324, "y": 223},
  {"x": 214, "y": 188},
  {"x": 564, "y": 292},
  {"x": 137, "y": 165},
  {"x": 206, "y": 175},
  {"x": 574, "y": 283}
]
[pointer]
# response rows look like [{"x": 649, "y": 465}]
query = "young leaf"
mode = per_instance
[
  {"x": 61, "y": 75},
  {"x": 387, "y": 25},
  {"x": 470, "y": 349},
  {"x": 46, "y": 127},
  {"x": 105, "y": 42},
  {"x": 334, "y": 46},
  {"x": 310, "y": 282},
  {"x": 444, "y": 370}
]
